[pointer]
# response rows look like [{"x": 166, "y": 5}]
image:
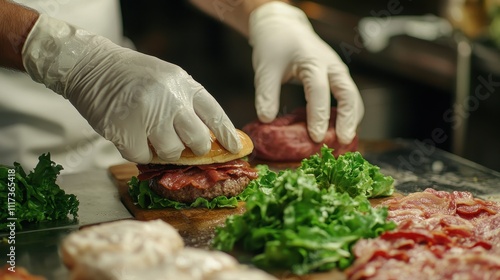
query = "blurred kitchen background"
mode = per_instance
[{"x": 427, "y": 70}]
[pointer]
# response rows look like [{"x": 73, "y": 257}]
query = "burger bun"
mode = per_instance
[{"x": 217, "y": 154}]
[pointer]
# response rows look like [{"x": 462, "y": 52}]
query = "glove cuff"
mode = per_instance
[
  {"x": 265, "y": 16},
  {"x": 51, "y": 51}
]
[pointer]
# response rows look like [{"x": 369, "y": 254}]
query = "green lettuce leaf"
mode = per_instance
[
  {"x": 349, "y": 173},
  {"x": 308, "y": 219},
  {"x": 37, "y": 196},
  {"x": 146, "y": 198}
]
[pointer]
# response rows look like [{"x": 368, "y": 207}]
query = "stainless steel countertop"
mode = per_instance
[
  {"x": 413, "y": 165},
  {"x": 37, "y": 245}
]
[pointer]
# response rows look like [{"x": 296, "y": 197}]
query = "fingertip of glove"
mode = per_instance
[
  {"x": 265, "y": 116},
  {"x": 142, "y": 158},
  {"x": 316, "y": 135},
  {"x": 345, "y": 138},
  {"x": 171, "y": 155},
  {"x": 229, "y": 138},
  {"x": 317, "y": 130},
  {"x": 234, "y": 146},
  {"x": 202, "y": 148}
]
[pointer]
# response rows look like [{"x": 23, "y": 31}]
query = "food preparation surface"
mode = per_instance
[
  {"x": 37, "y": 245},
  {"x": 196, "y": 226},
  {"x": 416, "y": 166},
  {"x": 103, "y": 198}
]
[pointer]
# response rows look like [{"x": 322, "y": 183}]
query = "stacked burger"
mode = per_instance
[{"x": 217, "y": 173}]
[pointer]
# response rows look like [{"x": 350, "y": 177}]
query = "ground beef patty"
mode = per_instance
[
  {"x": 229, "y": 187},
  {"x": 286, "y": 138}
]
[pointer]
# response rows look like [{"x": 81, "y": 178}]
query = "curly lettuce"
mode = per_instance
[
  {"x": 349, "y": 173},
  {"x": 308, "y": 219},
  {"x": 146, "y": 198},
  {"x": 36, "y": 196}
]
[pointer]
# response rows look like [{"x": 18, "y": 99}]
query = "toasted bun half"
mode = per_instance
[{"x": 217, "y": 153}]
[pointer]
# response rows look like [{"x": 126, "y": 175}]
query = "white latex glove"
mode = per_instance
[
  {"x": 126, "y": 96},
  {"x": 285, "y": 47}
]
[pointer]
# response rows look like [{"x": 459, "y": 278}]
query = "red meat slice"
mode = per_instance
[
  {"x": 201, "y": 176},
  {"x": 439, "y": 235},
  {"x": 286, "y": 138}
]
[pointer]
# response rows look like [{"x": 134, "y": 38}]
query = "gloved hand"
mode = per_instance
[
  {"x": 126, "y": 96},
  {"x": 285, "y": 47}
]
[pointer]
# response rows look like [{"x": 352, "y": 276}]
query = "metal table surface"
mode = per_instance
[
  {"x": 413, "y": 165},
  {"x": 416, "y": 166},
  {"x": 37, "y": 246}
]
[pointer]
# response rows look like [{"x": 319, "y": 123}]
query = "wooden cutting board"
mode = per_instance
[{"x": 196, "y": 226}]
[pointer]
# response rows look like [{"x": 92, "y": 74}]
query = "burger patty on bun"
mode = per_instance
[
  {"x": 229, "y": 188},
  {"x": 218, "y": 173}
]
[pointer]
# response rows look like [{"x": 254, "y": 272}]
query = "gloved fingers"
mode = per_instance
[
  {"x": 212, "y": 114},
  {"x": 317, "y": 92},
  {"x": 167, "y": 144},
  {"x": 350, "y": 107},
  {"x": 192, "y": 131},
  {"x": 132, "y": 146},
  {"x": 267, "y": 91}
]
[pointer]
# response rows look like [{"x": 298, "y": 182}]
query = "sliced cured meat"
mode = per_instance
[
  {"x": 187, "y": 183},
  {"x": 489, "y": 229},
  {"x": 439, "y": 235},
  {"x": 175, "y": 177},
  {"x": 421, "y": 262},
  {"x": 427, "y": 202},
  {"x": 286, "y": 138}
]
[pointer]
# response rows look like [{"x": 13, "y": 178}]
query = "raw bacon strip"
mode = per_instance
[
  {"x": 201, "y": 176},
  {"x": 148, "y": 171},
  {"x": 229, "y": 164},
  {"x": 440, "y": 235},
  {"x": 177, "y": 180},
  {"x": 423, "y": 263},
  {"x": 428, "y": 202},
  {"x": 489, "y": 229}
]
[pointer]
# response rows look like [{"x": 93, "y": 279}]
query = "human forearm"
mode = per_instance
[
  {"x": 233, "y": 13},
  {"x": 15, "y": 24}
]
